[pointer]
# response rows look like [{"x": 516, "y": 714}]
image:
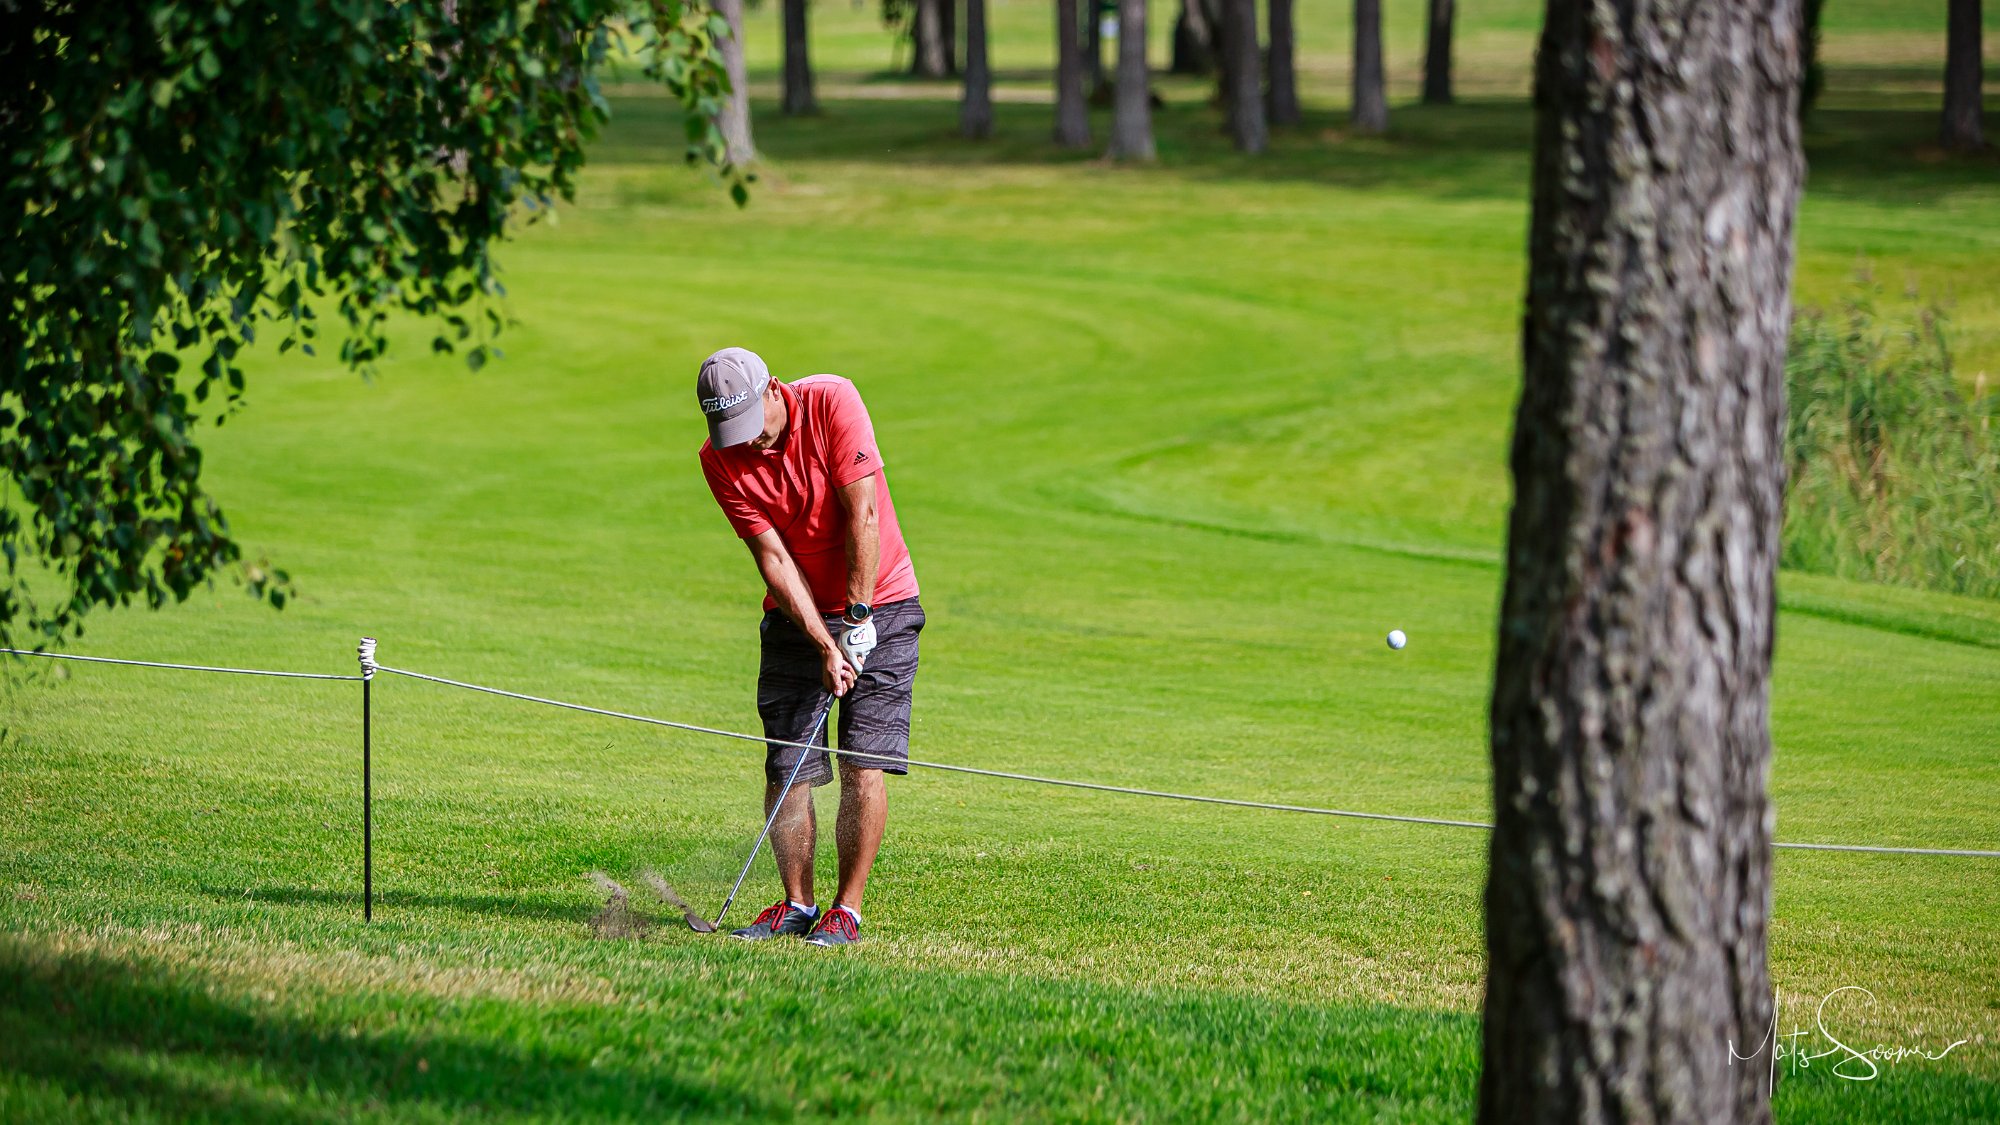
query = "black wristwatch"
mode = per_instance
[{"x": 858, "y": 613}]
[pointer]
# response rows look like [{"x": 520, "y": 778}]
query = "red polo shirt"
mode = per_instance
[{"x": 829, "y": 443}]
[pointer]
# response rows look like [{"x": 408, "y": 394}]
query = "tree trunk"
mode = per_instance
[
  {"x": 1281, "y": 96},
  {"x": 927, "y": 51},
  {"x": 1370, "y": 113},
  {"x": 975, "y": 112},
  {"x": 799, "y": 100},
  {"x": 1629, "y": 881},
  {"x": 1132, "y": 118},
  {"x": 1244, "y": 100},
  {"x": 948, "y": 14},
  {"x": 1093, "y": 48},
  {"x": 1437, "y": 54},
  {"x": 1194, "y": 39},
  {"x": 734, "y": 121},
  {"x": 1812, "y": 76},
  {"x": 1072, "y": 116},
  {"x": 1962, "y": 61}
]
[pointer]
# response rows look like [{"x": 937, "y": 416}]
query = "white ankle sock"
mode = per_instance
[
  {"x": 811, "y": 911},
  {"x": 851, "y": 913}
]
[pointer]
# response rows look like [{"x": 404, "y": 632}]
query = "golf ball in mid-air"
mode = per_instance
[{"x": 1397, "y": 639}]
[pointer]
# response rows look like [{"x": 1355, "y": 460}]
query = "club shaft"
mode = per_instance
[{"x": 776, "y": 807}]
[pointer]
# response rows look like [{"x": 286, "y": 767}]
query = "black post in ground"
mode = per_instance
[{"x": 367, "y": 652}]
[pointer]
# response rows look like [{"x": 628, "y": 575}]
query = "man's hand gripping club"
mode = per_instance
[{"x": 788, "y": 588}]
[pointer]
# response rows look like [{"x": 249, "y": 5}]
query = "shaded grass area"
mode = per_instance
[
  {"x": 136, "y": 1036},
  {"x": 1174, "y": 448}
]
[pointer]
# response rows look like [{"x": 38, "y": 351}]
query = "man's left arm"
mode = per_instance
[{"x": 864, "y": 538}]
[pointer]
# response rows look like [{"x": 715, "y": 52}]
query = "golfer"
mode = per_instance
[{"x": 796, "y": 470}]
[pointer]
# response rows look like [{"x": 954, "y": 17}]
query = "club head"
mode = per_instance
[{"x": 667, "y": 895}]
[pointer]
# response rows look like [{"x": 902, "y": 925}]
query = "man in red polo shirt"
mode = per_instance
[{"x": 796, "y": 470}]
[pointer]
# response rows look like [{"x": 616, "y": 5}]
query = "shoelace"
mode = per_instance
[
  {"x": 772, "y": 914},
  {"x": 839, "y": 920}
]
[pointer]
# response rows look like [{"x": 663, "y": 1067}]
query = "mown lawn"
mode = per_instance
[{"x": 1174, "y": 448}]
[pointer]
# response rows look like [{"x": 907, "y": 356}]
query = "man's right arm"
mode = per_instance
[{"x": 788, "y": 588}]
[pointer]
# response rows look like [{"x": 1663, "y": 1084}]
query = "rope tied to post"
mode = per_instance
[{"x": 366, "y": 651}]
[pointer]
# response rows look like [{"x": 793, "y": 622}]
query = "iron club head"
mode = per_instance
[{"x": 667, "y": 895}]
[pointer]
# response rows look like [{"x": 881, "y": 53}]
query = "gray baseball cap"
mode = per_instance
[{"x": 731, "y": 389}]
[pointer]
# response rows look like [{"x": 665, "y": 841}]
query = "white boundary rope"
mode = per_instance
[
  {"x": 369, "y": 667},
  {"x": 182, "y": 667},
  {"x": 1098, "y": 786}
]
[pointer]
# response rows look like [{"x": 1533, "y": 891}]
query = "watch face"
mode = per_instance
[{"x": 858, "y": 612}]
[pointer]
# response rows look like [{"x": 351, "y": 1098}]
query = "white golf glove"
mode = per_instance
[{"x": 856, "y": 641}]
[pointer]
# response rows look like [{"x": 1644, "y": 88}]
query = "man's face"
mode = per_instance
[{"x": 774, "y": 418}]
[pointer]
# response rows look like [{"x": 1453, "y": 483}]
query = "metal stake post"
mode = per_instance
[{"x": 367, "y": 654}]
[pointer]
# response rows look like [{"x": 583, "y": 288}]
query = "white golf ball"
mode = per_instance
[{"x": 1397, "y": 639}]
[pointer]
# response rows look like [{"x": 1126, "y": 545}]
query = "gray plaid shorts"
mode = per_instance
[{"x": 874, "y": 717}]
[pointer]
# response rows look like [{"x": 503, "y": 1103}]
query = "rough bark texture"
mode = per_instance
[
  {"x": 1243, "y": 96},
  {"x": 1072, "y": 116},
  {"x": 1962, "y": 95},
  {"x": 1194, "y": 39},
  {"x": 799, "y": 100},
  {"x": 1281, "y": 95},
  {"x": 975, "y": 110},
  {"x": 1370, "y": 113},
  {"x": 928, "y": 57},
  {"x": 1629, "y": 884},
  {"x": 735, "y": 118},
  {"x": 1132, "y": 116},
  {"x": 1437, "y": 53}
]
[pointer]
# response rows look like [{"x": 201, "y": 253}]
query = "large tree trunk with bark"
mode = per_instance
[
  {"x": 1195, "y": 39},
  {"x": 799, "y": 100},
  {"x": 1132, "y": 116},
  {"x": 1437, "y": 53},
  {"x": 928, "y": 56},
  {"x": 1963, "y": 130},
  {"x": 975, "y": 110},
  {"x": 1370, "y": 113},
  {"x": 1242, "y": 92},
  {"x": 1072, "y": 115},
  {"x": 1629, "y": 882},
  {"x": 734, "y": 120},
  {"x": 1281, "y": 97}
]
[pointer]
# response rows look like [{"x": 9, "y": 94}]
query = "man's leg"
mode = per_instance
[
  {"x": 792, "y": 837},
  {"x": 857, "y": 831},
  {"x": 790, "y": 701}
]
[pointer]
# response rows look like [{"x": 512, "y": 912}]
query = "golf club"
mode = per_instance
[{"x": 695, "y": 921}]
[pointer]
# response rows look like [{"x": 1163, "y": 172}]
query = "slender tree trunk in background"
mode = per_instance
[
  {"x": 799, "y": 100},
  {"x": 975, "y": 111},
  {"x": 1282, "y": 93},
  {"x": 1093, "y": 48},
  {"x": 1194, "y": 39},
  {"x": 1244, "y": 96},
  {"x": 1629, "y": 880},
  {"x": 1437, "y": 54},
  {"x": 927, "y": 54},
  {"x": 1963, "y": 130},
  {"x": 1370, "y": 113},
  {"x": 1072, "y": 116},
  {"x": 1132, "y": 118},
  {"x": 948, "y": 10},
  {"x": 1812, "y": 76},
  {"x": 735, "y": 117}
]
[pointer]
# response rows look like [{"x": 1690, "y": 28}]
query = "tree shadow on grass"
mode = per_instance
[
  {"x": 1476, "y": 149},
  {"x": 103, "y": 1031},
  {"x": 506, "y": 906}
]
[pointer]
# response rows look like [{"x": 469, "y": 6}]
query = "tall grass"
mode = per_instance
[{"x": 1895, "y": 473}]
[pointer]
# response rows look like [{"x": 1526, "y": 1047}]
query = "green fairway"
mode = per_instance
[{"x": 1173, "y": 448}]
